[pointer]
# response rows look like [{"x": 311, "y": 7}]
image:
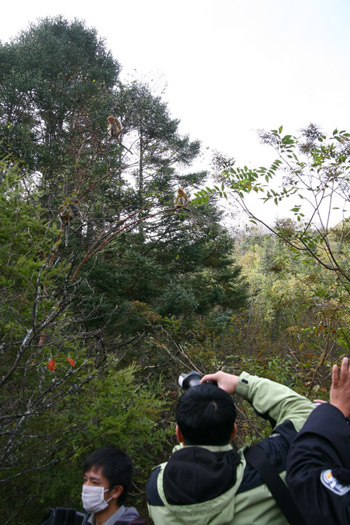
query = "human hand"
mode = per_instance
[
  {"x": 227, "y": 382},
  {"x": 340, "y": 389}
]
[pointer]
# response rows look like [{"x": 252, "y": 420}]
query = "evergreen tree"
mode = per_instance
[{"x": 135, "y": 271}]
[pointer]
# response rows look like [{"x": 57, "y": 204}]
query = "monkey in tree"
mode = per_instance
[
  {"x": 114, "y": 128},
  {"x": 67, "y": 212},
  {"x": 181, "y": 199}
]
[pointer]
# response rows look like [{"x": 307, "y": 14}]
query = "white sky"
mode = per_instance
[{"x": 230, "y": 66}]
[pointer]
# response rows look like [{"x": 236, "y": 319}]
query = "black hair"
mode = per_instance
[
  {"x": 206, "y": 415},
  {"x": 116, "y": 466}
]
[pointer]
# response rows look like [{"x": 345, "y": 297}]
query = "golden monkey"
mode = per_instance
[
  {"x": 114, "y": 127},
  {"x": 181, "y": 199},
  {"x": 67, "y": 212}
]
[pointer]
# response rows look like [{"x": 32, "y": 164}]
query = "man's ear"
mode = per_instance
[
  {"x": 179, "y": 435},
  {"x": 234, "y": 432},
  {"x": 116, "y": 492}
]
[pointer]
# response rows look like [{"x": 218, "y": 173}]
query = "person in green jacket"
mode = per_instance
[{"x": 206, "y": 480}]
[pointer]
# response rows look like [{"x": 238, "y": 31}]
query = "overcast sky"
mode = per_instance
[{"x": 230, "y": 67}]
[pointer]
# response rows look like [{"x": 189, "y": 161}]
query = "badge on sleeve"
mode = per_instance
[{"x": 333, "y": 484}]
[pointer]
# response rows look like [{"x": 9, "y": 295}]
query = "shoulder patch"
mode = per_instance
[{"x": 332, "y": 484}]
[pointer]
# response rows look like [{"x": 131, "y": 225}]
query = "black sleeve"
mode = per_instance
[
  {"x": 153, "y": 497},
  {"x": 323, "y": 444},
  {"x": 276, "y": 449}
]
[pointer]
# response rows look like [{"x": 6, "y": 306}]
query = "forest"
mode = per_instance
[{"x": 109, "y": 290}]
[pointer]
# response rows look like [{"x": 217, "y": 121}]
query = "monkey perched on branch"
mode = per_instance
[
  {"x": 114, "y": 128},
  {"x": 181, "y": 199},
  {"x": 67, "y": 212}
]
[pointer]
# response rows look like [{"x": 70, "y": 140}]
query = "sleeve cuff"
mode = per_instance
[{"x": 243, "y": 385}]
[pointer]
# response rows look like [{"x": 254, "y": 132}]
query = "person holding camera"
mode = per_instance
[
  {"x": 206, "y": 480},
  {"x": 319, "y": 459}
]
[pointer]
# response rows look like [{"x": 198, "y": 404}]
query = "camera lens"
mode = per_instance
[{"x": 189, "y": 380}]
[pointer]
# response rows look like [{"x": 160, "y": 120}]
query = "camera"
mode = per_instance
[{"x": 191, "y": 379}]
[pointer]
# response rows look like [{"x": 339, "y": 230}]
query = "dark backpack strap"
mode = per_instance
[
  {"x": 257, "y": 458},
  {"x": 85, "y": 519},
  {"x": 63, "y": 516},
  {"x": 69, "y": 517}
]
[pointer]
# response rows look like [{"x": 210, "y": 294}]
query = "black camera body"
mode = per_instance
[{"x": 191, "y": 379}]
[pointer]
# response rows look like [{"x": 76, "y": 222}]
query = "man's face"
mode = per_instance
[{"x": 95, "y": 478}]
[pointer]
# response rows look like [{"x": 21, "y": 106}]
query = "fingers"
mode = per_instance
[
  {"x": 334, "y": 376},
  {"x": 340, "y": 389},
  {"x": 227, "y": 382},
  {"x": 344, "y": 372},
  {"x": 340, "y": 379},
  {"x": 211, "y": 377}
]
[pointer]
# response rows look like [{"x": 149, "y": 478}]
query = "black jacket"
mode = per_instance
[
  {"x": 318, "y": 467},
  {"x": 216, "y": 484}
]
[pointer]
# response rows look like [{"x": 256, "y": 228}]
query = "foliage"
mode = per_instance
[
  {"x": 298, "y": 313},
  {"x": 110, "y": 409},
  {"x": 301, "y": 290},
  {"x": 315, "y": 171},
  {"x": 135, "y": 280},
  {"x": 51, "y": 78},
  {"x": 95, "y": 331}
]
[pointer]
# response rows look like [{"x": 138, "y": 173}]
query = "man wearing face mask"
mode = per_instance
[{"x": 107, "y": 480}]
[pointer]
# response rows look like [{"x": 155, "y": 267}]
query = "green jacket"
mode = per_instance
[{"x": 221, "y": 487}]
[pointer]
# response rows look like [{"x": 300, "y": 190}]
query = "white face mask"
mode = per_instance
[{"x": 93, "y": 499}]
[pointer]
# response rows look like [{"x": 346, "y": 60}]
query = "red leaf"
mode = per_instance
[
  {"x": 71, "y": 361},
  {"x": 51, "y": 365}
]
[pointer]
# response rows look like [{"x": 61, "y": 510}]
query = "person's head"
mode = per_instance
[
  {"x": 112, "y": 469},
  {"x": 205, "y": 415}
]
